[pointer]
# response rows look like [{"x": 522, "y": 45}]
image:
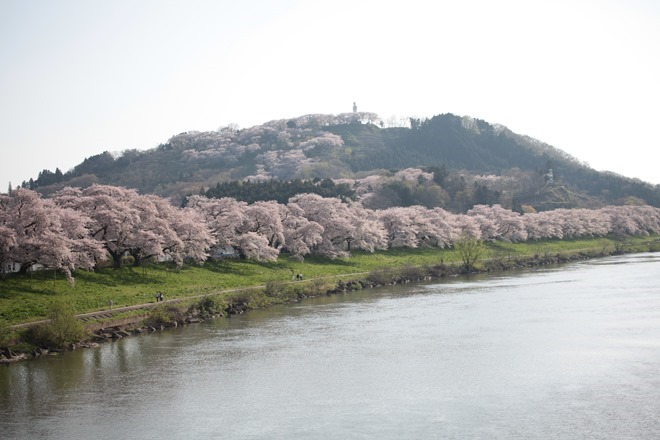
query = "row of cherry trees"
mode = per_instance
[{"x": 77, "y": 228}]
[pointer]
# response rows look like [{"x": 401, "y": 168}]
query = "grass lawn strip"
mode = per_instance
[{"x": 27, "y": 298}]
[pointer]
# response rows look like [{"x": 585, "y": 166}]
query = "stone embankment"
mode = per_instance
[{"x": 112, "y": 329}]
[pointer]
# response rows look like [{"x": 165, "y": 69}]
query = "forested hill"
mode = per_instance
[{"x": 357, "y": 145}]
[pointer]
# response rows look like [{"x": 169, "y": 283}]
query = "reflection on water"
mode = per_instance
[{"x": 570, "y": 352}]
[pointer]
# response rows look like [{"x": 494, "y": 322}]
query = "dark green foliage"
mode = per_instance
[
  {"x": 279, "y": 190},
  {"x": 101, "y": 165},
  {"x": 46, "y": 177},
  {"x": 444, "y": 139},
  {"x": 439, "y": 173},
  {"x": 485, "y": 196},
  {"x": 611, "y": 186}
]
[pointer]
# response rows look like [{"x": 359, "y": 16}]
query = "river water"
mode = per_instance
[{"x": 566, "y": 352}]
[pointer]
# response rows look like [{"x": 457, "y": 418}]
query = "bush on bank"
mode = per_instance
[{"x": 62, "y": 330}]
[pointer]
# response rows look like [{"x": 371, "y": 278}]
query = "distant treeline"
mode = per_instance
[{"x": 279, "y": 190}]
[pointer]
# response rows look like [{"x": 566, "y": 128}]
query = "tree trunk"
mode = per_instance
[
  {"x": 137, "y": 258},
  {"x": 116, "y": 258}
]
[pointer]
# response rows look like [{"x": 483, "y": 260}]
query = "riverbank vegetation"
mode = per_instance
[
  {"x": 32, "y": 296},
  {"x": 101, "y": 248},
  {"x": 198, "y": 292}
]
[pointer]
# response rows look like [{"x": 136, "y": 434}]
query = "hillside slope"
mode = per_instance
[{"x": 343, "y": 146}]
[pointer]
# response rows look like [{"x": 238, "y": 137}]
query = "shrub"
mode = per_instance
[
  {"x": 412, "y": 273},
  {"x": 317, "y": 286},
  {"x": 439, "y": 270},
  {"x": 161, "y": 315},
  {"x": 382, "y": 276},
  {"x": 62, "y": 330},
  {"x": 210, "y": 306},
  {"x": 275, "y": 289},
  {"x": 654, "y": 246},
  {"x": 469, "y": 250},
  {"x": 243, "y": 296}
]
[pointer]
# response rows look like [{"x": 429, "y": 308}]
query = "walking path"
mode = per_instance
[{"x": 110, "y": 313}]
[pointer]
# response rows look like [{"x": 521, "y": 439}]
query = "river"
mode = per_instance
[{"x": 569, "y": 352}]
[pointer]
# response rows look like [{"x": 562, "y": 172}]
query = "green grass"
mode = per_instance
[{"x": 25, "y": 298}]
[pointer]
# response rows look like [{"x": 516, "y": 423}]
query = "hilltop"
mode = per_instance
[{"x": 472, "y": 160}]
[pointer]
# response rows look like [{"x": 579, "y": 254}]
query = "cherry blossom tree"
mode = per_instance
[
  {"x": 499, "y": 223},
  {"x": 8, "y": 238},
  {"x": 7, "y": 241},
  {"x": 115, "y": 214},
  {"x": 324, "y": 140},
  {"x": 465, "y": 226},
  {"x": 153, "y": 233},
  {"x": 223, "y": 217},
  {"x": 341, "y": 226},
  {"x": 255, "y": 231},
  {"x": 369, "y": 234},
  {"x": 542, "y": 225},
  {"x": 400, "y": 226},
  {"x": 40, "y": 232},
  {"x": 143, "y": 226},
  {"x": 633, "y": 220},
  {"x": 414, "y": 175},
  {"x": 169, "y": 231},
  {"x": 166, "y": 230},
  {"x": 449, "y": 227},
  {"x": 333, "y": 216},
  {"x": 648, "y": 217},
  {"x": 261, "y": 233},
  {"x": 254, "y": 246},
  {"x": 416, "y": 226},
  {"x": 194, "y": 234},
  {"x": 86, "y": 251},
  {"x": 280, "y": 164},
  {"x": 576, "y": 223},
  {"x": 79, "y": 227},
  {"x": 300, "y": 235}
]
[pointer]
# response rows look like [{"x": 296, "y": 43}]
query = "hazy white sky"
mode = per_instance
[{"x": 79, "y": 77}]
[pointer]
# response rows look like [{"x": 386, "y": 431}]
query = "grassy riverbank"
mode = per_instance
[{"x": 25, "y": 298}]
